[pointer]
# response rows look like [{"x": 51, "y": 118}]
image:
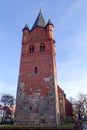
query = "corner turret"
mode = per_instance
[
  {"x": 50, "y": 28},
  {"x": 25, "y": 31}
]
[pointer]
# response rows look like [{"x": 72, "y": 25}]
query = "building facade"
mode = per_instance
[
  {"x": 61, "y": 98},
  {"x": 65, "y": 106},
  {"x": 37, "y": 96},
  {"x": 68, "y": 108}
]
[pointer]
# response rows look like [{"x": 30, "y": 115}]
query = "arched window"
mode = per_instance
[
  {"x": 31, "y": 49},
  {"x": 30, "y": 108},
  {"x": 42, "y": 47},
  {"x": 36, "y": 70}
]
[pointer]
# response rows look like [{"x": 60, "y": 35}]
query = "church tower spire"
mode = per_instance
[{"x": 40, "y": 22}]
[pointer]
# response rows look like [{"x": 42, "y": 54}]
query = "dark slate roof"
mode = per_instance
[
  {"x": 50, "y": 22},
  {"x": 39, "y": 21},
  {"x": 25, "y": 27}
]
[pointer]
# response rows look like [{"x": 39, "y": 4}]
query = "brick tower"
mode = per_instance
[{"x": 37, "y": 97}]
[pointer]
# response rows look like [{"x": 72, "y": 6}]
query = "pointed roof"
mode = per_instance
[
  {"x": 50, "y": 22},
  {"x": 39, "y": 21},
  {"x": 25, "y": 28}
]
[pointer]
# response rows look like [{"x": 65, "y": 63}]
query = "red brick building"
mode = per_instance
[
  {"x": 68, "y": 108},
  {"x": 65, "y": 106},
  {"x": 37, "y": 97},
  {"x": 61, "y": 98}
]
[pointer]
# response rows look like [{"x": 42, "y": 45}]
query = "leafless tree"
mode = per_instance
[
  {"x": 79, "y": 106},
  {"x": 7, "y": 100}
]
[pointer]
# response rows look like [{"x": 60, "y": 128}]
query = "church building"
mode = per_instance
[{"x": 37, "y": 92}]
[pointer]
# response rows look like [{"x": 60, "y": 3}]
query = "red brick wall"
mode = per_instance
[
  {"x": 68, "y": 108},
  {"x": 42, "y": 60},
  {"x": 61, "y": 104},
  {"x": 64, "y": 105}
]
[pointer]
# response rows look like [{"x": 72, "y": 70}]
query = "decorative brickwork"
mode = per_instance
[{"x": 37, "y": 97}]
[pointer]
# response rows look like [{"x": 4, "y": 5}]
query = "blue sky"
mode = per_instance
[{"x": 70, "y": 32}]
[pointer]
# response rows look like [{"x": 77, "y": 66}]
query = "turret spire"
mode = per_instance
[
  {"x": 25, "y": 27},
  {"x": 50, "y": 22}
]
